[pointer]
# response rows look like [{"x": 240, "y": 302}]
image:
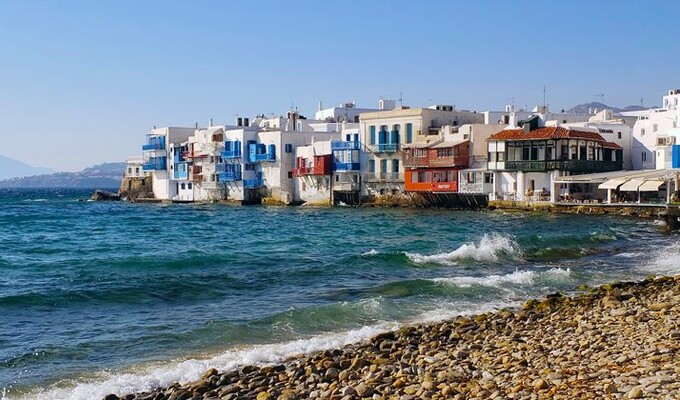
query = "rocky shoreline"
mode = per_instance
[{"x": 617, "y": 341}]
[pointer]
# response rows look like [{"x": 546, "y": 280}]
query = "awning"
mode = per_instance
[
  {"x": 611, "y": 184},
  {"x": 650, "y": 186},
  {"x": 631, "y": 186}
]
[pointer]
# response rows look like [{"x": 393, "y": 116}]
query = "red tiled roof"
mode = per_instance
[
  {"x": 550, "y": 132},
  {"x": 610, "y": 145}
]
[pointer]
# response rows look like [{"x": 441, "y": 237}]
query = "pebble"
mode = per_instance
[{"x": 618, "y": 341}]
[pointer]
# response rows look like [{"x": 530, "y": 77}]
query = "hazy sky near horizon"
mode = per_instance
[{"x": 82, "y": 82}]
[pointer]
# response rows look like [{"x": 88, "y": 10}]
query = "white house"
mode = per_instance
[
  {"x": 158, "y": 152},
  {"x": 652, "y": 124}
]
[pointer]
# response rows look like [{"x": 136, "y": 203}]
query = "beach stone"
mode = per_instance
[
  {"x": 540, "y": 384},
  {"x": 610, "y": 388},
  {"x": 207, "y": 374},
  {"x": 111, "y": 397},
  {"x": 635, "y": 393},
  {"x": 332, "y": 373},
  {"x": 264, "y": 396},
  {"x": 364, "y": 390}
]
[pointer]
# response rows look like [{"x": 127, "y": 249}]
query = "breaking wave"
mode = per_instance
[
  {"x": 490, "y": 248},
  {"x": 518, "y": 278},
  {"x": 149, "y": 378}
]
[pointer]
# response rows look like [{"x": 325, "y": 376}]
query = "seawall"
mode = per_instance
[{"x": 667, "y": 213}]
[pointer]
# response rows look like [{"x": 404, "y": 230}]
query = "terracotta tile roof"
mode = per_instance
[
  {"x": 550, "y": 132},
  {"x": 610, "y": 145}
]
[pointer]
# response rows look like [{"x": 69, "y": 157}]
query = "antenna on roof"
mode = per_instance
[
  {"x": 642, "y": 102},
  {"x": 601, "y": 96},
  {"x": 401, "y": 99},
  {"x": 544, "y": 97}
]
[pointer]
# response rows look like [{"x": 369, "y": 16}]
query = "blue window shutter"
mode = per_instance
[
  {"x": 371, "y": 165},
  {"x": 409, "y": 133},
  {"x": 373, "y": 134}
]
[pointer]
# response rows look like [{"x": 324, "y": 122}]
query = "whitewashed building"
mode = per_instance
[
  {"x": 158, "y": 152},
  {"x": 651, "y": 125}
]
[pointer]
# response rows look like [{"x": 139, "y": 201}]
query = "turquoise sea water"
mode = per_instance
[{"x": 113, "y": 297}]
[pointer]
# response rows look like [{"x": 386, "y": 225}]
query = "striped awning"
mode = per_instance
[
  {"x": 631, "y": 186},
  {"x": 611, "y": 184},
  {"x": 651, "y": 186}
]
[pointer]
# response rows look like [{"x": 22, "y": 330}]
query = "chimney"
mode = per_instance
[
  {"x": 246, "y": 122},
  {"x": 210, "y": 122},
  {"x": 239, "y": 121}
]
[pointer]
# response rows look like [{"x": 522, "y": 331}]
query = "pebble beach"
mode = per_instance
[{"x": 616, "y": 341}]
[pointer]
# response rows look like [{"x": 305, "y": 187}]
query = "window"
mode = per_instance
[
  {"x": 137, "y": 170},
  {"x": 371, "y": 165},
  {"x": 189, "y": 186},
  {"x": 618, "y": 135},
  {"x": 372, "y": 138},
  {"x": 655, "y": 127},
  {"x": 644, "y": 157},
  {"x": 501, "y": 156},
  {"x": 409, "y": 133},
  {"x": 642, "y": 132},
  {"x": 289, "y": 148},
  {"x": 250, "y": 167},
  {"x": 129, "y": 170},
  {"x": 395, "y": 166},
  {"x": 183, "y": 186},
  {"x": 290, "y": 174},
  {"x": 488, "y": 178},
  {"x": 383, "y": 166}
]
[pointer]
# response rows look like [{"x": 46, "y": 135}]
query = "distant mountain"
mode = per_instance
[
  {"x": 588, "y": 107},
  {"x": 10, "y": 168},
  {"x": 102, "y": 176}
]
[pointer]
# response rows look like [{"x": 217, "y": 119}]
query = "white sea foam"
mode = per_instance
[
  {"x": 517, "y": 278},
  {"x": 558, "y": 272},
  {"x": 371, "y": 252},
  {"x": 452, "y": 310},
  {"x": 148, "y": 378},
  {"x": 631, "y": 254},
  {"x": 489, "y": 248},
  {"x": 666, "y": 261}
]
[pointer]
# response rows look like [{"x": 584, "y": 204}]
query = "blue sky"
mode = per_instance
[{"x": 81, "y": 82}]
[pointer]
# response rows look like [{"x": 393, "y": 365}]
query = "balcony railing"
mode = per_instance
[
  {"x": 230, "y": 176},
  {"x": 471, "y": 188},
  {"x": 414, "y": 161},
  {"x": 155, "y": 164},
  {"x": 343, "y": 145},
  {"x": 385, "y": 147},
  {"x": 344, "y": 167},
  {"x": 154, "y": 145},
  {"x": 385, "y": 177},
  {"x": 236, "y": 153},
  {"x": 302, "y": 171},
  {"x": 253, "y": 183},
  {"x": 564, "y": 165},
  {"x": 262, "y": 157}
]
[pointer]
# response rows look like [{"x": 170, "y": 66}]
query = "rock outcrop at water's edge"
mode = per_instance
[{"x": 618, "y": 341}]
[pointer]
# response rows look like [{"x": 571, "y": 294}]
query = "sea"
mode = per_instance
[{"x": 112, "y": 297}]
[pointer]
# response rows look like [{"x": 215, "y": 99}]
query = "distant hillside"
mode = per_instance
[
  {"x": 10, "y": 168},
  {"x": 586, "y": 107},
  {"x": 102, "y": 176}
]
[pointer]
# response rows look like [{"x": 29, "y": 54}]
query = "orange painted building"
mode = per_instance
[{"x": 434, "y": 167}]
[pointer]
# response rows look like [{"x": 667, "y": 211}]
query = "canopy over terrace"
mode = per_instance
[{"x": 623, "y": 181}]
